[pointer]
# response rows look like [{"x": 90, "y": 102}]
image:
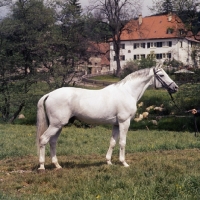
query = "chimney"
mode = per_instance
[
  {"x": 169, "y": 17},
  {"x": 140, "y": 19}
]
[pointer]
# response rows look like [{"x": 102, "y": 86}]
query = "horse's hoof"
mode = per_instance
[
  {"x": 41, "y": 171},
  {"x": 125, "y": 164},
  {"x": 109, "y": 162}
]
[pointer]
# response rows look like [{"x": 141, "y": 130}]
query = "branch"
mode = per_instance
[{"x": 17, "y": 112}]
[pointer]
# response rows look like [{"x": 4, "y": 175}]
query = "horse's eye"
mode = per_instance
[{"x": 161, "y": 75}]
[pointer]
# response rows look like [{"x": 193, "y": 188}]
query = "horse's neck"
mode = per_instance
[{"x": 136, "y": 87}]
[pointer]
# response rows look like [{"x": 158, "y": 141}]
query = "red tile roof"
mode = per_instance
[
  {"x": 152, "y": 27},
  {"x": 103, "y": 49}
]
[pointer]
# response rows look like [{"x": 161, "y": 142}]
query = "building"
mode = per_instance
[
  {"x": 99, "y": 59},
  {"x": 164, "y": 36}
]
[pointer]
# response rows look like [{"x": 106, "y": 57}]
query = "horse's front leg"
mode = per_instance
[
  {"x": 123, "y": 129},
  {"x": 113, "y": 140}
]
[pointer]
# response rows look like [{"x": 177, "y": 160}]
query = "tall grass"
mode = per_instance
[{"x": 163, "y": 165}]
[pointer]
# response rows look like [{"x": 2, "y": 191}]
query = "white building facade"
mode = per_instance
[{"x": 164, "y": 43}]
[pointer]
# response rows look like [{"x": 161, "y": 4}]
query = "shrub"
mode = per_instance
[{"x": 130, "y": 67}]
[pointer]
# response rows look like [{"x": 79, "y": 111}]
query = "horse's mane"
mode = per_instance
[{"x": 136, "y": 74}]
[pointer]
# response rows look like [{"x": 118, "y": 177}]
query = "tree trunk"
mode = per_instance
[
  {"x": 117, "y": 56},
  {"x": 118, "y": 67},
  {"x": 17, "y": 112}
]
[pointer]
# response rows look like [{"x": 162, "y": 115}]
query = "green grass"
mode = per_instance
[
  {"x": 106, "y": 78},
  {"x": 163, "y": 165}
]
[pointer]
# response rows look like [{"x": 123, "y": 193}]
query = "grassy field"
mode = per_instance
[
  {"x": 163, "y": 165},
  {"x": 107, "y": 78}
]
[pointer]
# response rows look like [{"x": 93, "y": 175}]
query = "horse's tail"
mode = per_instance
[{"x": 42, "y": 119}]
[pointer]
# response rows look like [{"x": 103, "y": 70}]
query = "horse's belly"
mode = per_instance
[{"x": 98, "y": 120}]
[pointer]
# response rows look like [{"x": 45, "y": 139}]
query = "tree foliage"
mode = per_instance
[
  {"x": 134, "y": 65},
  {"x": 37, "y": 38},
  {"x": 115, "y": 14},
  {"x": 167, "y": 6}
]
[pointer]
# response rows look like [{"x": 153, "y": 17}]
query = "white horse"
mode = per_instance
[{"x": 114, "y": 104}]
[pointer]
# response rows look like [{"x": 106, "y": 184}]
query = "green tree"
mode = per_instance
[
  {"x": 38, "y": 42},
  {"x": 95, "y": 29},
  {"x": 75, "y": 8},
  {"x": 148, "y": 62},
  {"x": 167, "y": 6},
  {"x": 22, "y": 45},
  {"x": 134, "y": 65},
  {"x": 115, "y": 14},
  {"x": 68, "y": 45}
]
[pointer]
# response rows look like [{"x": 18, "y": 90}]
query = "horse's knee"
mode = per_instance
[
  {"x": 43, "y": 140},
  {"x": 122, "y": 144},
  {"x": 112, "y": 143}
]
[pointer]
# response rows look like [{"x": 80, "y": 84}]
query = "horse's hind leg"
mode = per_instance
[
  {"x": 44, "y": 139},
  {"x": 113, "y": 140},
  {"x": 52, "y": 142}
]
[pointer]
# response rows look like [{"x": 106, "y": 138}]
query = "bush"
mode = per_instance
[
  {"x": 171, "y": 123},
  {"x": 173, "y": 63},
  {"x": 187, "y": 97},
  {"x": 176, "y": 124},
  {"x": 130, "y": 67}
]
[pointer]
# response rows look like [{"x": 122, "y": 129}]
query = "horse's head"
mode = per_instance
[{"x": 161, "y": 79}]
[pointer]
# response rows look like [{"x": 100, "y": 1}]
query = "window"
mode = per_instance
[
  {"x": 122, "y": 57},
  {"x": 169, "y": 55},
  {"x": 136, "y": 57},
  {"x": 159, "y": 56},
  {"x": 136, "y": 45},
  {"x": 181, "y": 44},
  {"x": 142, "y": 45},
  {"x": 159, "y": 44},
  {"x": 122, "y": 46},
  {"x": 164, "y": 56},
  {"x": 142, "y": 56},
  {"x": 181, "y": 31},
  {"x": 129, "y": 51},
  {"x": 170, "y": 30},
  {"x": 155, "y": 44},
  {"x": 169, "y": 43}
]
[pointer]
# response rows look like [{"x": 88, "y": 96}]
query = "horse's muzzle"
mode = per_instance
[{"x": 173, "y": 88}]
